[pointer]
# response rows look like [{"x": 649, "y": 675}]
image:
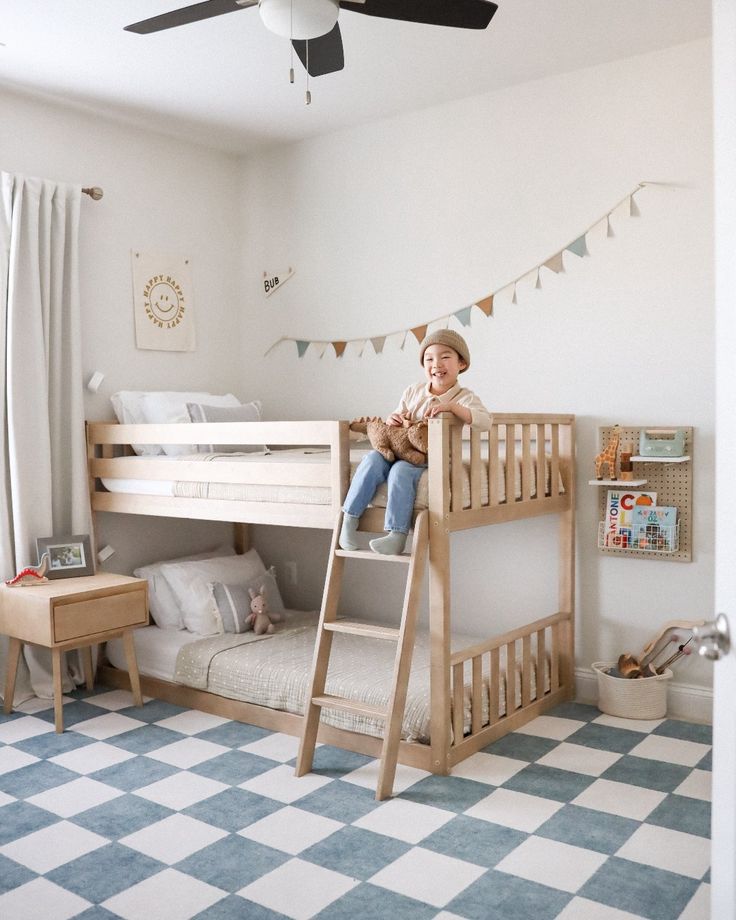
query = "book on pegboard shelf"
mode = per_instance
[
  {"x": 655, "y": 528},
  {"x": 618, "y": 525}
]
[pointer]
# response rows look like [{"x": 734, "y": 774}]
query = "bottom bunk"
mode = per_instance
[{"x": 264, "y": 681}]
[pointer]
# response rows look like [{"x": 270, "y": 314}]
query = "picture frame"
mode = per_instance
[{"x": 69, "y": 556}]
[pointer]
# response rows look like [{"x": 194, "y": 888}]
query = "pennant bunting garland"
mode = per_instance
[{"x": 554, "y": 263}]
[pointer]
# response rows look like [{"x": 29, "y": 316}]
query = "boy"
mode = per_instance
[{"x": 443, "y": 355}]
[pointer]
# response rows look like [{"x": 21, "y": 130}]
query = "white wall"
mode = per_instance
[
  {"x": 160, "y": 195},
  {"x": 395, "y": 223}
]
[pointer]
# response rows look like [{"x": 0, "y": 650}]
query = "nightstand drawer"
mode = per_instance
[{"x": 86, "y": 618}]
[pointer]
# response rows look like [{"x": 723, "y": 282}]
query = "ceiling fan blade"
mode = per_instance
[
  {"x": 325, "y": 53},
  {"x": 188, "y": 14},
  {"x": 463, "y": 14}
]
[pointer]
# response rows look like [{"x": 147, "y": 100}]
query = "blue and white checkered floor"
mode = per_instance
[{"x": 171, "y": 813}]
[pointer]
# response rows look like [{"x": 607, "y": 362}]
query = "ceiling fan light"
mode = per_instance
[{"x": 306, "y": 19}]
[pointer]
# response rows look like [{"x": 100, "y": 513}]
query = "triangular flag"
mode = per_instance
[
  {"x": 403, "y": 340},
  {"x": 486, "y": 305},
  {"x": 555, "y": 263},
  {"x": 609, "y": 227},
  {"x": 578, "y": 247},
  {"x": 419, "y": 332},
  {"x": 339, "y": 348},
  {"x": 378, "y": 343},
  {"x": 319, "y": 347},
  {"x": 301, "y": 347},
  {"x": 513, "y": 299},
  {"x": 464, "y": 315},
  {"x": 538, "y": 283},
  {"x": 633, "y": 208},
  {"x": 360, "y": 345}
]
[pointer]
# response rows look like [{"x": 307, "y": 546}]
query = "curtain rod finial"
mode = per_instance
[{"x": 95, "y": 193}]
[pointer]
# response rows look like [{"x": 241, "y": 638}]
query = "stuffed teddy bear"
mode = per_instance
[
  {"x": 406, "y": 442},
  {"x": 260, "y": 617}
]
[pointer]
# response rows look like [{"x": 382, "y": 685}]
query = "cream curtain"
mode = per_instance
[{"x": 42, "y": 449}]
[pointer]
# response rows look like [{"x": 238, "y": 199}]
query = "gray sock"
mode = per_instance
[
  {"x": 391, "y": 545},
  {"x": 348, "y": 531}
]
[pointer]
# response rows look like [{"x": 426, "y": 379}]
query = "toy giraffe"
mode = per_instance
[{"x": 608, "y": 456}]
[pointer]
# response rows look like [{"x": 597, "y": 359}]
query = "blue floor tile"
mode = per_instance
[
  {"x": 18, "y": 819},
  {"x": 606, "y": 738},
  {"x": 134, "y": 774},
  {"x": 706, "y": 763},
  {"x": 51, "y": 744},
  {"x": 146, "y": 738},
  {"x": 452, "y": 793},
  {"x": 13, "y": 875},
  {"x": 355, "y": 852},
  {"x": 152, "y": 711},
  {"x": 96, "y": 913},
  {"x": 233, "y": 734},
  {"x": 334, "y": 762},
  {"x": 74, "y": 713},
  {"x": 637, "y": 771},
  {"x": 234, "y": 907},
  {"x": 641, "y": 890},
  {"x": 686, "y": 731},
  {"x": 344, "y": 802},
  {"x": 682, "y": 813},
  {"x": 474, "y": 841},
  {"x": 549, "y": 782},
  {"x": 521, "y": 747},
  {"x": 36, "y": 777},
  {"x": 232, "y": 863},
  {"x": 498, "y": 896},
  {"x": 233, "y": 767},
  {"x": 232, "y": 809},
  {"x": 104, "y": 872},
  {"x": 593, "y": 830},
  {"x": 583, "y": 712},
  {"x": 369, "y": 902},
  {"x": 122, "y": 816}
]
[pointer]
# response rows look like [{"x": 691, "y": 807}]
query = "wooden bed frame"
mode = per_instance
[{"x": 536, "y": 439}]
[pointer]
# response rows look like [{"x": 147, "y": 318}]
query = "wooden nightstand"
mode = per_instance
[{"x": 73, "y": 613}]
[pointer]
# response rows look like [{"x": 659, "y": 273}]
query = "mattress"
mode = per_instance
[
  {"x": 275, "y": 673},
  {"x": 304, "y": 495}
]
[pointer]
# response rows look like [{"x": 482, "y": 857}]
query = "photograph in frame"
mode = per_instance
[{"x": 69, "y": 556}]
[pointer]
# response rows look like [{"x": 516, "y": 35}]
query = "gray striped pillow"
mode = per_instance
[
  {"x": 231, "y": 603},
  {"x": 250, "y": 412}
]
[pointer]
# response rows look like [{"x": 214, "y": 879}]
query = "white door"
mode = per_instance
[{"x": 723, "y": 891}]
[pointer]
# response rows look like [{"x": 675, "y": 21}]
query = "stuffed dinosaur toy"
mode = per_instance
[{"x": 406, "y": 442}]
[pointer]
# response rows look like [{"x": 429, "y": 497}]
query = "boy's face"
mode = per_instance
[{"x": 442, "y": 365}]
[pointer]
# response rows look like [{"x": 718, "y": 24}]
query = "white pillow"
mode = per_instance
[
  {"x": 162, "y": 602},
  {"x": 248, "y": 412},
  {"x": 171, "y": 408},
  {"x": 190, "y": 582},
  {"x": 128, "y": 408}
]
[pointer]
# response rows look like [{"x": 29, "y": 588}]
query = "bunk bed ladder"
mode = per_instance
[{"x": 403, "y": 636}]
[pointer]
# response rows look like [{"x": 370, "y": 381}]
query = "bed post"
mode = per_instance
[
  {"x": 567, "y": 552},
  {"x": 241, "y": 538},
  {"x": 439, "y": 593}
]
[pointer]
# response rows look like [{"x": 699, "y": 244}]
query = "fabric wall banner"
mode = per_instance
[
  {"x": 486, "y": 305},
  {"x": 420, "y": 332},
  {"x": 163, "y": 302},
  {"x": 378, "y": 343},
  {"x": 463, "y": 315},
  {"x": 339, "y": 348},
  {"x": 301, "y": 347},
  {"x": 578, "y": 246},
  {"x": 554, "y": 263}
]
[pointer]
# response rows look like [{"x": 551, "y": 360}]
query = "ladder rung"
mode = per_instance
[
  {"x": 374, "y": 557},
  {"x": 339, "y": 702},
  {"x": 370, "y": 630}
]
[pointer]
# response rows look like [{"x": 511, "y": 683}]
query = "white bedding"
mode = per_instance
[{"x": 303, "y": 495}]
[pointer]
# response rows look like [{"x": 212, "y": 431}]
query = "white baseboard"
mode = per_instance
[{"x": 684, "y": 701}]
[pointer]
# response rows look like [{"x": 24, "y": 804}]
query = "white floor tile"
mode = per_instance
[
  {"x": 699, "y": 905},
  {"x": 551, "y": 727},
  {"x": 290, "y": 829},
  {"x": 514, "y": 809},
  {"x": 191, "y": 722},
  {"x": 666, "y": 849},
  {"x": 281, "y": 784},
  {"x": 549, "y": 862},
  {"x": 114, "y": 699},
  {"x": 489, "y": 768},
  {"x": 181, "y": 790},
  {"x": 92, "y": 757},
  {"x": 52, "y": 846},
  {"x": 317, "y": 887},
  {"x": 697, "y": 785},
  {"x": 107, "y": 726},
  {"x": 367, "y": 776},
  {"x": 427, "y": 876},
  {"x": 41, "y": 898},
  {"x": 173, "y": 839},
  {"x": 408, "y": 821},
  {"x": 34, "y": 704},
  {"x": 579, "y": 759},
  {"x": 187, "y": 753},
  {"x": 275, "y": 747},
  {"x": 13, "y": 759},
  {"x": 619, "y": 799},
  {"x": 634, "y": 725},
  {"x": 6, "y": 799},
  {"x": 170, "y": 895},
  {"x": 21, "y": 729},
  {"x": 583, "y": 909},
  {"x": 446, "y": 915},
  {"x": 671, "y": 750},
  {"x": 75, "y": 797}
]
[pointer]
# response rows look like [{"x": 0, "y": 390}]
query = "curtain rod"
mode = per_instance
[{"x": 95, "y": 193}]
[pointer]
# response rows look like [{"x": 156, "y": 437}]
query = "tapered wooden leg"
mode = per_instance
[
  {"x": 89, "y": 674},
  {"x": 58, "y": 704},
  {"x": 135, "y": 681},
  {"x": 14, "y": 647}
]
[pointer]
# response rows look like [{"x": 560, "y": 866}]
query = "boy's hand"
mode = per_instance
[
  {"x": 395, "y": 419},
  {"x": 461, "y": 412}
]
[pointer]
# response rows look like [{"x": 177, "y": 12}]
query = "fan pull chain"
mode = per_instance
[
  {"x": 291, "y": 40},
  {"x": 308, "y": 97}
]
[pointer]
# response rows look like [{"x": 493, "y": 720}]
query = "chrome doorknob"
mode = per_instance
[{"x": 713, "y": 639}]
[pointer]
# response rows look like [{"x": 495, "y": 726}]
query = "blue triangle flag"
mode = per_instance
[
  {"x": 301, "y": 347},
  {"x": 464, "y": 315},
  {"x": 578, "y": 247}
]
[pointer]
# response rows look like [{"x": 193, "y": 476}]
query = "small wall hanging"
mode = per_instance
[
  {"x": 273, "y": 281},
  {"x": 163, "y": 301},
  {"x": 553, "y": 263}
]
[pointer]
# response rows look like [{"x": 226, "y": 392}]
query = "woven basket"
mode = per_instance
[{"x": 640, "y": 698}]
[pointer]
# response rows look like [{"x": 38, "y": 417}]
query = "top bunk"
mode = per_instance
[{"x": 223, "y": 471}]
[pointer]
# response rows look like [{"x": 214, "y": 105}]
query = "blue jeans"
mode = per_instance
[{"x": 402, "y": 480}]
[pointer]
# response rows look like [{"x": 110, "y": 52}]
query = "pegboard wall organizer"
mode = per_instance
[{"x": 670, "y": 477}]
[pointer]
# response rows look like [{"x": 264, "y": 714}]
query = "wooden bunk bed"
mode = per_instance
[{"x": 522, "y": 468}]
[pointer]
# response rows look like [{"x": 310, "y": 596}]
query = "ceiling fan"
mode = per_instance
[{"x": 312, "y": 25}]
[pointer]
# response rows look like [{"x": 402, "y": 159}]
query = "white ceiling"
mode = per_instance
[{"x": 224, "y": 82}]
